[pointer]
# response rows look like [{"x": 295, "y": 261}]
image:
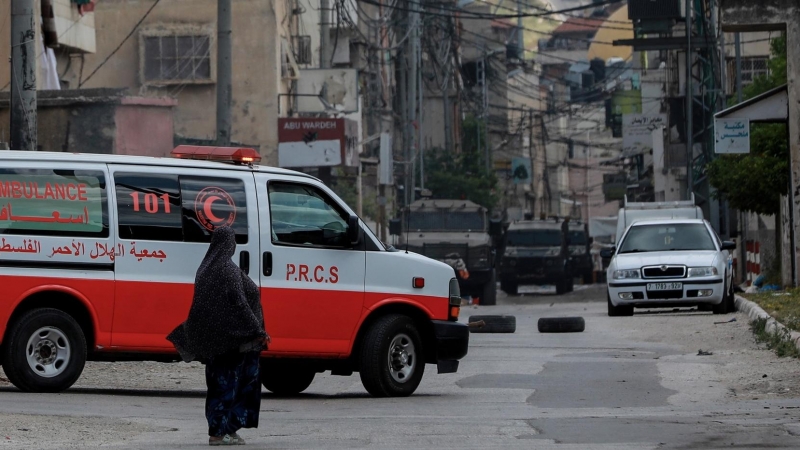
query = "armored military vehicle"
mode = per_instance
[
  {"x": 537, "y": 252},
  {"x": 580, "y": 246},
  {"x": 455, "y": 232}
]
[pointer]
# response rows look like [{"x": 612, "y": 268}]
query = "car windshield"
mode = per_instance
[
  {"x": 533, "y": 238},
  {"x": 445, "y": 221},
  {"x": 667, "y": 237}
]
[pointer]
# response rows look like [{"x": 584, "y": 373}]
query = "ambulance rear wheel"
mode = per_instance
[
  {"x": 285, "y": 381},
  {"x": 392, "y": 360},
  {"x": 45, "y": 351}
]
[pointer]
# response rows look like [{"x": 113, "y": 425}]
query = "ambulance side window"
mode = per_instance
[
  {"x": 53, "y": 202},
  {"x": 149, "y": 207},
  {"x": 209, "y": 203},
  {"x": 304, "y": 215}
]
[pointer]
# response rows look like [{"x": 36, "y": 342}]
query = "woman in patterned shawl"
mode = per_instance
[{"x": 225, "y": 330}]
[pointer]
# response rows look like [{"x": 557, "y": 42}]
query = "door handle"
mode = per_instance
[
  {"x": 244, "y": 261},
  {"x": 267, "y": 263}
]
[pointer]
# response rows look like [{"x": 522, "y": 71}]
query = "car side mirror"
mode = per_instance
[
  {"x": 354, "y": 231},
  {"x": 396, "y": 227},
  {"x": 728, "y": 245},
  {"x": 607, "y": 252},
  {"x": 495, "y": 227}
]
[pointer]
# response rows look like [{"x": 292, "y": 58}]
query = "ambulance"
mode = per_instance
[{"x": 98, "y": 255}]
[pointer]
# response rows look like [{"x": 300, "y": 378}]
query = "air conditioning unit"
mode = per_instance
[{"x": 656, "y": 9}]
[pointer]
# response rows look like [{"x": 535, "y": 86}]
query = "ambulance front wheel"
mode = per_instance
[
  {"x": 45, "y": 351},
  {"x": 392, "y": 360}
]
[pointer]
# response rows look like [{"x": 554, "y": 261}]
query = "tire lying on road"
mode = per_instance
[
  {"x": 561, "y": 324},
  {"x": 494, "y": 324}
]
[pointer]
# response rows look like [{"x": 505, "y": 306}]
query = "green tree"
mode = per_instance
[
  {"x": 755, "y": 182},
  {"x": 462, "y": 175}
]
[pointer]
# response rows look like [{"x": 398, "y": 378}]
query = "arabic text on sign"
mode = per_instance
[
  {"x": 158, "y": 254},
  {"x": 28, "y": 246},
  {"x": 55, "y": 217}
]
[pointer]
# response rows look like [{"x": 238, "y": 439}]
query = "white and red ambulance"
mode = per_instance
[{"x": 98, "y": 255}]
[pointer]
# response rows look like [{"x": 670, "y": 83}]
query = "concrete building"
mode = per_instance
[
  {"x": 101, "y": 121},
  {"x": 778, "y": 16}
]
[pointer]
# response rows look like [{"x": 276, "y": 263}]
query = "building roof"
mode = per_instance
[
  {"x": 579, "y": 24},
  {"x": 771, "y": 106}
]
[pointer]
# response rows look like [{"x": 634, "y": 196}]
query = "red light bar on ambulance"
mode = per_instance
[{"x": 241, "y": 155}]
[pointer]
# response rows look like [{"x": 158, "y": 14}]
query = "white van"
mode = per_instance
[
  {"x": 98, "y": 255},
  {"x": 633, "y": 211}
]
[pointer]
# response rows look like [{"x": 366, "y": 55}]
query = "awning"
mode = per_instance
[{"x": 771, "y": 106}]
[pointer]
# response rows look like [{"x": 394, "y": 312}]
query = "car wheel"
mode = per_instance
[
  {"x": 494, "y": 324},
  {"x": 561, "y": 287},
  {"x": 489, "y": 294},
  {"x": 45, "y": 351},
  {"x": 588, "y": 278},
  {"x": 392, "y": 359},
  {"x": 285, "y": 381},
  {"x": 722, "y": 307},
  {"x": 618, "y": 311},
  {"x": 730, "y": 297},
  {"x": 561, "y": 324}
]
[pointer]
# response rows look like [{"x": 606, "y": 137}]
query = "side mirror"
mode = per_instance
[
  {"x": 396, "y": 227},
  {"x": 495, "y": 227},
  {"x": 353, "y": 230},
  {"x": 607, "y": 253},
  {"x": 728, "y": 245}
]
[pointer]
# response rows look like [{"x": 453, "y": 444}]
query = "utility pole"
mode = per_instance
[
  {"x": 689, "y": 102},
  {"x": 412, "y": 78},
  {"x": 324, "y": 173},
  {"x": 738, "y": 43},
  {"x": 224, "y": 73},
  {"x": 482, "y": 75},
  {"x": 532, "y": 155},
  {"x": 23, "y": 134}
]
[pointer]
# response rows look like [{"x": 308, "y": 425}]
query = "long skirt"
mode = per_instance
[{"x": 234, "y": 393}]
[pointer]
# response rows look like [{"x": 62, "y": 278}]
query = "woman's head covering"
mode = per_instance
[{"x": 226, "y": 307}]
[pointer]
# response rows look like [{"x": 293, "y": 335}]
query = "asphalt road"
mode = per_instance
[{"x": 625, "y": 383}]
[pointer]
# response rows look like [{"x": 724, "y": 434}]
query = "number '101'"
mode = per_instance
[{"x": 151, "y": 202}]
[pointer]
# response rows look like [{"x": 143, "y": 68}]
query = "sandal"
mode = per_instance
[{"x": 228, "y": 439}]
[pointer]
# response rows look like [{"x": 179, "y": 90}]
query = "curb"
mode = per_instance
[{"x": 753, "y": 312}]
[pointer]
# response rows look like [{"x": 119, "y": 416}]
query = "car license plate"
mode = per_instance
[{"x": 664, "y": 286}]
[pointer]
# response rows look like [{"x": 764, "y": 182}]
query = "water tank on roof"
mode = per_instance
[{"x": 656, "y": 9}]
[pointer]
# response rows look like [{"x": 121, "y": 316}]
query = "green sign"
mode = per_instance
[{"x": 51, "y": 202}]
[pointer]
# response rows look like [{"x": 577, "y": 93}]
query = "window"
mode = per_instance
[
  {"x": 209, "y": 203},
  {"x": 673, "y": 237},
  {"x": 445, "y": 220},
  {"x": 53, "y": 202},
  {"x": 577, "y": 238},
  {"x": 752, "y": 68},
  {"x": 148, "y": 207},
  {"x": 158, "y": 207},
  {"x": 176, "y": 58},
  {"x": 301, "y": 45},
  {"x": 534, "y": 238},
  {"x": 304, "y": 215}
]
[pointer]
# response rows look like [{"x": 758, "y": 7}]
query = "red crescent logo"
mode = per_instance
[
  {"x": 207, "y": 204},
  {"x": 212, "y": 198}
]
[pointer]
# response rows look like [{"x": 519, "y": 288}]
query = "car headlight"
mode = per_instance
[
  {"x": 702, "y": 271},
  {"x": 624, "y": 274}
]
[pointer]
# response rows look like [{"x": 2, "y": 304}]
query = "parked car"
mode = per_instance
[
  {"x": 536, "y": 253},
  {"x": 669, "y": 263}
]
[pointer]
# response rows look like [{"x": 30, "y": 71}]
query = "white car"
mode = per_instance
[{"x": 670, "y": 263}]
